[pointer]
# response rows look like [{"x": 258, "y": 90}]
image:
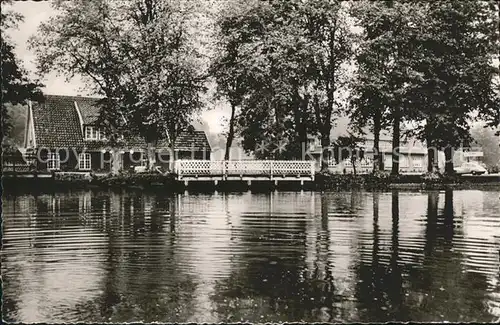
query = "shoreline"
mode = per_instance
[{"x": 322, "y": 182}]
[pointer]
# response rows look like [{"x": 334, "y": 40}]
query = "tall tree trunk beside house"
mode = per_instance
[
  {"x": 300, "y": 105},
  {"x": 325, "y": 151},
  {"x": 430, "y": 160},
  {"x": 151, "y": 146},
  {"x": 173, "y": 157},
  {"x": 396, "y": 140},
  {"x": 230, "y": 134},
  {"x": 431, "y": 156},
  {"x": 353, "y": 163},
  {"x": 448, "y": 163},
  {"x": 377, "y": 156}
]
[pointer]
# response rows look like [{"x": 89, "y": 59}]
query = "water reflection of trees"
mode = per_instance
[
  {"x": 379, "y": 289},
  {"x": 267, "y": 263},
  {"x": 442, "y": 289},
  {"x": 283, "y": 259},
  {"x": 286, "y": 278},
  {"x": 431, "y": 289},
  {"x": 144, "y": 279},
  {"x": 140, "y": 276}
]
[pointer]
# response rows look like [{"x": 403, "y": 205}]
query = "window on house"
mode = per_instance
[
  {"x": 90, "y": 133},
  {"x": 53, "y": 161},
  {"x": 93, "y": 133},
  {"x": 84, "y": 161}
]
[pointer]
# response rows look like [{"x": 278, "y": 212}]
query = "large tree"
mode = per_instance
[
  {"x": 295, "y": 73},
  {"x": 233, "y": 30},
  {"x": 385, "y": 69},
  {"x": 331, "y": 47},
  {"x": 141, "y": 55},
  {"x": 253, "y": 70},
  {"x": 17, "y": 88},
  {"x": 457, "y": 44}
]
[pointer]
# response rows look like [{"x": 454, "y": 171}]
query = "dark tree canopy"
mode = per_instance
[
  {"x": 141, "y": 55},
  {"x": 17, "y": 88}
]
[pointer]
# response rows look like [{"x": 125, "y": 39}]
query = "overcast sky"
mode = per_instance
[{"x": 34, "y": 13}]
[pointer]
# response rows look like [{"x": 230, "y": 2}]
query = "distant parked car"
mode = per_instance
[{"x": 470, "y": 168}]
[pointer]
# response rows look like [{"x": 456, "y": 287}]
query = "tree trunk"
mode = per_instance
[
  {"x": 299, "y": 106},
  {"x": 172, "y": 157},
  {"x": 431, "y": 158},
  {"x": 353, "y": 162},
  {"x": 377, "y": 157},
  {"x": 151, "y": 155},
  {"x": 325, "y": 147},
  {"x": 301, "y": 127},
  {"x": 448, "y": 154},
  {"x": 230, "y": 135},
  {"x": 396, "y": 140}
]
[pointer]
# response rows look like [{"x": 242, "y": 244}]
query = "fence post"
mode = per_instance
[
  {"x": 178, "y": 169},
  {"x": 312, "y": 169},
  {"x": 271, "y": 168}
]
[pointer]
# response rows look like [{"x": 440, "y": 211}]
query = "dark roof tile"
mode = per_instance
[
  {"x": 57, "y": 123},
  {"x": 190, "y": 140},
  {"x": 89, "y": 109}
]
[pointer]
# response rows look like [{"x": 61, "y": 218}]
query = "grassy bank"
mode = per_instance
[{"x": 385, "y": 181}]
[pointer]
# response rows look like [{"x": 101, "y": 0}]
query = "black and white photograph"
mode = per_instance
[{"x": 250, "y": 161}]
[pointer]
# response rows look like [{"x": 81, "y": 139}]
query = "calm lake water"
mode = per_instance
[{"x": 100, "y": 256}]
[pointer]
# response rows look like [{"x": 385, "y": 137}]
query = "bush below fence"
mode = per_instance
[{"x": 134, "y": 180}]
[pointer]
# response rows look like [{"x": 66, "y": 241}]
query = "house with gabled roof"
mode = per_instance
[{"x": 62, "y": 133}]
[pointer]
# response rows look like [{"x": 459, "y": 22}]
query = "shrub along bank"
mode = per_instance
[
  {"x": 385, "y": 181},
  {"x": 322, "y": 182},
  {"x": 134, "y": 180}
]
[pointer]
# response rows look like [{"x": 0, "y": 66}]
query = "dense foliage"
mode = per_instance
[
  {"x": 141, "y": 55},
  {"x": 17, "y": 88},
  {"x": 288, "y": 69}
]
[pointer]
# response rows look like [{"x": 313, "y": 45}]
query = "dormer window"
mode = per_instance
[{"x": 93, "y": 133}]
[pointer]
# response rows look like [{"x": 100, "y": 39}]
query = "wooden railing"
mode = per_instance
[
  {"x": 244, "y": 168},
  {"x": 16, "y": 164}
]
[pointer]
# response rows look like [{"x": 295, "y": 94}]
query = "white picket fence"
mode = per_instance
[{"x": 244, "y": 168}]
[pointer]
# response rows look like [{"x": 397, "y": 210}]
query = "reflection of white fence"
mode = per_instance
[{"x": 244, "y": 168}]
